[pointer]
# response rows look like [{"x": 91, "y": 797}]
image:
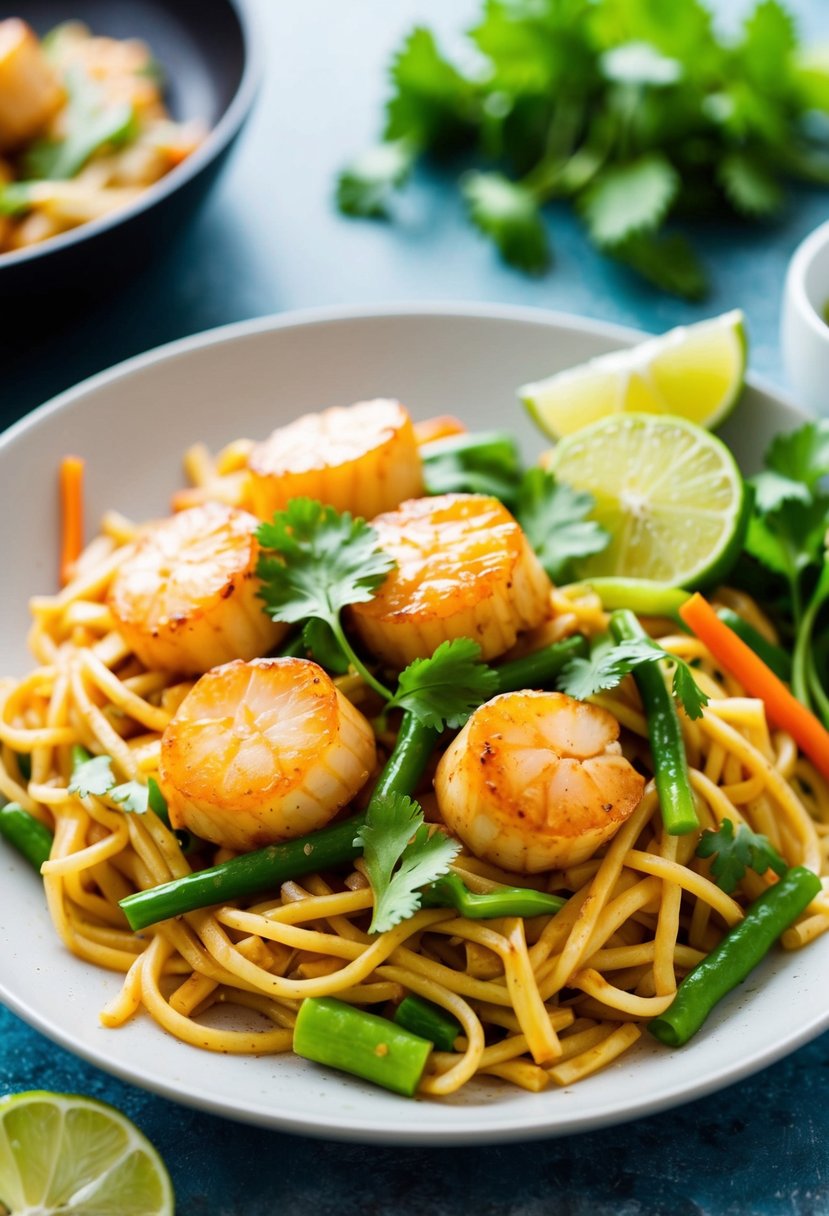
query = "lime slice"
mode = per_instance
[
  {"x": 695, "y": 371},
  {"x": 60, "y": 1153},
  {"x": 668, "y": 492}
]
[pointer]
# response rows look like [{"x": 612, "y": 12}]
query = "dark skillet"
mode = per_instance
[{"x": 207, "y": 53}]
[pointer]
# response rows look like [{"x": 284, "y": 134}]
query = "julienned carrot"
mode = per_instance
[
  {"x": 782, "y": 707},
  {"x": 440, "y": 427},
  {"x": 71, "y": 514}
]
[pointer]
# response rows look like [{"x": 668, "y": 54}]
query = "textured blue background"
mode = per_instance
[{"x": 269, "y": 240}]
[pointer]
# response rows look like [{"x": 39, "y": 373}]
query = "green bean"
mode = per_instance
[
  {"x": 334, "y": 1033},
  {"x": 673, "y": 784},
  {"x": 266, "y": 869},
  {"x": 450, "y": 892},
  {"x": 773, "y": 656},
  {"x": 29, "y": 836},
  {"x": 429, "y": 1021},
  {"x": 737, "y": 954}
]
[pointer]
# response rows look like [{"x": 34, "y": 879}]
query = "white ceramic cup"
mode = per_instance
[{"x": 804, "y": 333}]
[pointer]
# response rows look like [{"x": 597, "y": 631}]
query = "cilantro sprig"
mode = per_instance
[
  {"x": 316, "y": 562},
  {"x": 445, "y": 689},
  {"x": 634, "y": 118},
  {"x": 609, "y": 664},
  {"x": 401, "y": 854},
  {"x": 787, "y": 563},
  {"x": 735, "y": 852}
]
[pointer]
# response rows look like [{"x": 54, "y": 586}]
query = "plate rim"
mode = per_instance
[{"x": 363, "y": 1129}]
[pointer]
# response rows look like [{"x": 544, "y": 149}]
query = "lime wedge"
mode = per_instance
[
  {"x": 72, "y": 1156},
  {"x": 696, "y": 372},
  {"x": 668, "y": 492}
]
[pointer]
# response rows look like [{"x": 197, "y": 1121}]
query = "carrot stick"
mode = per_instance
[
  {"x": 440, "y": 427},
  {"x": 783, "y": 709},
  {"x": 71, "y": 514}
]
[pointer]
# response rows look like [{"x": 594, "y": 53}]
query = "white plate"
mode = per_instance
[{"x": 132, "y": 424}]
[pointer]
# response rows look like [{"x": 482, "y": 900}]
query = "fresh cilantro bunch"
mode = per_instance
[
  {"x": 787, "y": 566},
  {"x": 633, "y": 110}
]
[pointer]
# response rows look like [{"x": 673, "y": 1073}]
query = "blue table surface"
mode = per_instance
[{"x": 267, "y": 240}]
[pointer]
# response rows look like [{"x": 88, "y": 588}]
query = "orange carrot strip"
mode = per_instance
[
  {"x": 440, "y": 427},
  {"x": 71, "y": 514},
  {"x": 783, "y": 709}
]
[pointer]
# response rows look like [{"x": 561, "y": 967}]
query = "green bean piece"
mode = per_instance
[
  {"x": 450, "y": 892},
  {"x": 742, "y": 948},
  {"x": 250, "y": 873},
  {"x": 339, "y": 1035},
  {"x": 541, "y": 668},
  {"x": 429, "y": 1021},
  {"x": 158, "y": 805},
  {"x": 266, "y": 869},
  {"x": 79, "y": 756},
  {"x": 29, "y": 836},
  {"x": 670, "y": 765},
  {"x": 773, "y": 656}
]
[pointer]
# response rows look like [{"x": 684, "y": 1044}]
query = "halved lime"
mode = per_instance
[
  {"x": 73, "y": 1156},
  {"x": 668, "y": 492},
  {"x": 696, "y": 372}
]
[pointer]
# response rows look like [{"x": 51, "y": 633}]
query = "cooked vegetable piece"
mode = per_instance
[
  {"x": 450, "y": 892},
  {"x": 331, "y": 1032},
  {"x": 783, "y": 709},
  {"x": 29, "y": 836},
  {"x": 71, "y": 478},
  {"x": 670, "y": 765},
  {"x": 742, "y": 948},
  {"x": 775, "y": 657},
  {"x": 428, "y": 1021}
]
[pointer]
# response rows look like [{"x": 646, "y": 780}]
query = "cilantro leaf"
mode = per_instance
[
  {"x": 395, "y": 834},
  {"x": 91, "y": 123},
  {"x": 432, "y": 101},
  {"x": 507, "y": 212},
  {"x": 749, "y": 184},
  {"x": 324, "y": 560},
  {"x": 734, "y": 853},
  {"x": 484, "y": 463},
  {"x": 554, "y": 517},
  {"x": 445, "y": 689},
  {"x": 629, "y": 198},
  {"x": 802, "y": 455},
  {"x": 669, "y": 262},
  {"x": 608, "y": 666},
  {"x": 769, "y": 39},
  {"x": 319, "y": 640},
  {"x": 132, "y": 797},
  {"x": 365, "y": 186},
  {"x": 93, "y": 776}
]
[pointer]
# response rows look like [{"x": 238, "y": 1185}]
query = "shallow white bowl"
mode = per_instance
[
  {"x": 804, "y": 334},
  {"x": 132, "y": 424}
]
